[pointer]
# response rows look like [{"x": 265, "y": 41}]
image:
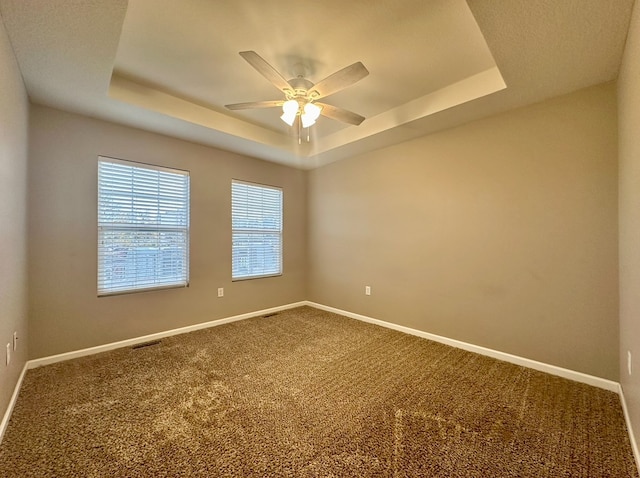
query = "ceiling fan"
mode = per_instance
[{"x": 301, "y": 95}]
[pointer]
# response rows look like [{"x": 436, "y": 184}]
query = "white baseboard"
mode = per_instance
[
  {"x": 541, "y": 366},
  {"x": 627, "y": 419},
  {"x": 12, "y": 402},
  {"x": 160, "y": 335},
  {"x": 515, "y": 359}
]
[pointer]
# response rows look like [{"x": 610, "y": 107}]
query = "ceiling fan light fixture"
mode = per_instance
[
  {"x": 310, "y": 115},
  {"x": 290, "y": 106},
  {"x": 290, "y": 110},
  {"x": 312, "y": 110},
  {"x": 307, "y": 121},
  {"x": 288, "y": 118}
]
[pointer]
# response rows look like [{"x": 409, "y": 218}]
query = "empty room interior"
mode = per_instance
[{"x": 388, "y": 238}]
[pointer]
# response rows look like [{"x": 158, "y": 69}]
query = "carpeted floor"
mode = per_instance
[{"x": 306, "y": 393}]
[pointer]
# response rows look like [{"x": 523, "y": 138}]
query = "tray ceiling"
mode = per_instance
[{"x": 170, "y": 66}]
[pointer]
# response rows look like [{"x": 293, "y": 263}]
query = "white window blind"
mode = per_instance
[
  {"x": 256, "y": 218},
  {"x": 143, "y": 227}
]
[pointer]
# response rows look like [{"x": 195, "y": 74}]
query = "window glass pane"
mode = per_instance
[
  {"x": 256, "y": 218},
  {"x": 143, "y": 227}
]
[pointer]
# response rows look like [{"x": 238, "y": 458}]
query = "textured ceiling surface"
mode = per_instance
[{"x": 170, "y": 66}]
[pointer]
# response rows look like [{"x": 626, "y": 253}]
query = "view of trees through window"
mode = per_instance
[
  {"x": 143, "y": 227},
  {"x": 256, "y": 213}
]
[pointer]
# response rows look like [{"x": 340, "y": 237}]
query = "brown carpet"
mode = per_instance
[{"x": 306, "y": 393}]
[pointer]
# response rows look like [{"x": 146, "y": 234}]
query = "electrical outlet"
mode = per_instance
[
  {"x": 367, "y": 290},
  {"x": 8, "y": 354},
  {"x": 629, "y": 361},
  {"x": 220, "y": 291},
  {"x": 15, "y": 340}
]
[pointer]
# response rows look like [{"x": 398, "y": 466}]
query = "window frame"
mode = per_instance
[
  {"x": 180, "y": 228},
  {"x": 278, "y": 232}
]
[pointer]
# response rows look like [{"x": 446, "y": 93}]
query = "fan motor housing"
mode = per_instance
[
  {"x": 300, "y": 83},
  {"x": 301, "y": 90}
]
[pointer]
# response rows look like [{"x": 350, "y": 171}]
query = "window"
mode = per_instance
[
  {"x": 143, "y": 227},
  {"x": 256, "y": 218}
]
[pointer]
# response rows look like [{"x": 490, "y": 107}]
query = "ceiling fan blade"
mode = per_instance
[
  {"x": 340, "y": 114},
  {"x": 266, "y": 70},
  {"x": 255, "y": 104},
  {"x": 340, "y": 79}
]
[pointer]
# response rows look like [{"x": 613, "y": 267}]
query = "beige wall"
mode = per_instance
[
  {"x": 501, "y": 233},
  {"x": 65, "y": 313},
  {"x": 13, "y": 217},
  {"x": 629, "y": 144}
]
